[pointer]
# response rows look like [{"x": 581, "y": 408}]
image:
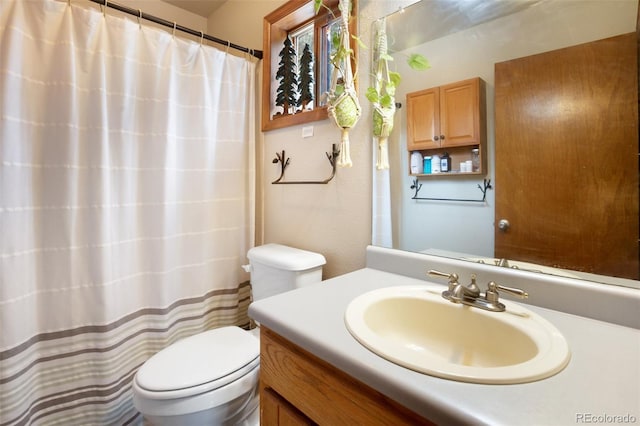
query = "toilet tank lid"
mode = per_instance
[{"x": 285, "y": 257}]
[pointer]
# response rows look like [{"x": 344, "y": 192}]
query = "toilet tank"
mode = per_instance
[{"x": 277, "y": 268}]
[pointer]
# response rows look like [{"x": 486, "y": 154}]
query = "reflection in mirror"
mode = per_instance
[{"x": 462, "y": 40}]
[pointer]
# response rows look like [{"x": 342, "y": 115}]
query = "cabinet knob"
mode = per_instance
[
  {"x": 441, "y": 137},
  {"x": 436, "y": 138}
]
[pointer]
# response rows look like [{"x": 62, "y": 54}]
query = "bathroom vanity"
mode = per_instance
[
  {"x": 294, "y": 382},
  {"x": 314, "y": 371}
]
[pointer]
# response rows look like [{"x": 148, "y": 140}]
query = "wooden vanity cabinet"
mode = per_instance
[
  {"x": 449, "y": 118},
  {"x": 298, "y": 388}
]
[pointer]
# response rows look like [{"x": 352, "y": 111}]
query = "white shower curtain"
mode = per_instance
[
  {"x": 381, "y": 232},
  {"x": 126, "y": 204}
]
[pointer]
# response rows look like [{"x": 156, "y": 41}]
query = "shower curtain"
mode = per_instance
[
  {"x": 126, "y": 204},
  {"x": 381, "y": 231}
]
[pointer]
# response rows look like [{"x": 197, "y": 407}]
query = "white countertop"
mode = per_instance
[{"x": 602, "y": 378}]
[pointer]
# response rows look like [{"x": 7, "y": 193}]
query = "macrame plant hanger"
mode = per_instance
[
  {"x": 382, "y": 114},
  {"x": 343, "y": 105}
]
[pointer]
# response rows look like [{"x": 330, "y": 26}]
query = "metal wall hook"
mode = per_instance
[
  {"x": 417, "y": 186},
  {"x": 284, "y": 163}
]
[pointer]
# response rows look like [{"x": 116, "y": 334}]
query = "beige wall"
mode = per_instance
[
  {"x": 332, "y": 219},
  {"x": 165, "y": 11},
  {"x": 240, "y": 21}
]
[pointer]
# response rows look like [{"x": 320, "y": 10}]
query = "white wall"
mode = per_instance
[{"x": 550, "y": 25}]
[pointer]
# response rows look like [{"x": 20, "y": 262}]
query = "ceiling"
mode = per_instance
[
  {"x": 445, "y": 17},
  {"x": 203, "y": 8}
]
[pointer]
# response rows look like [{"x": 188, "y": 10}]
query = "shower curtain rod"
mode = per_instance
[{"x": 140, "y": 14}]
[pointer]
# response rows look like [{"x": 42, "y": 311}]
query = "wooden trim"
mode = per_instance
[{"x": 323, "y": 393}]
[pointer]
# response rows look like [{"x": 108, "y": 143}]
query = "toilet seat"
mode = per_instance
[{"x": 197, "y": 364}]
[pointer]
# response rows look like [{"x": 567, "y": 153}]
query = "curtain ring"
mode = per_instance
[
  {"x": 140, "y": 18},
  {"x": 228, "y": 46},
  {"x": 104, "y": 9},
  {"x": 201, "y": 37},
  {"x": 174, "y": 29}
]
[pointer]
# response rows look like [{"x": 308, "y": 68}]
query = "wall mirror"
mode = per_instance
[{"x": 464, "y": 39}]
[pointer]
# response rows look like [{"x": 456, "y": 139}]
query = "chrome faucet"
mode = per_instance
[
  {"x": 471, "y": 295},
  {"x": 503, "y": 262}
]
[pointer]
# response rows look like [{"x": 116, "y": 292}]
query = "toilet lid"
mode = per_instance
[{"x": 211, "y": 356}]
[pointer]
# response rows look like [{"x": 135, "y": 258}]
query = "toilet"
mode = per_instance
[{"x": 211, "y": 378}]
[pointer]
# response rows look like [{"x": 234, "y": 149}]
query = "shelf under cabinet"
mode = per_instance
[
  {"x": 456, "y": 154},
  {"x": 448, "y": 174}
]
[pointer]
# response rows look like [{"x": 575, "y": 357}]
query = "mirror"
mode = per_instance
[{"x": 464, "y": 39}]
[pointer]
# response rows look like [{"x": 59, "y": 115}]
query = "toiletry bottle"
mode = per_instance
[
  {"x": 416, "y": 162},
  {"x": 427, "y": 165},
  {"x": 475, "y": 160},
  {"x": 435, "y": 163},
  {"x": 445, "y": 163}
]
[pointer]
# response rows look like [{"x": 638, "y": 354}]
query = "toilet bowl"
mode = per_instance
[
  {"x": 211, "y": 378},
  {"x": 207, "y": 379}
]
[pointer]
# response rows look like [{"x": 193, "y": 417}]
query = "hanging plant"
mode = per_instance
[
  {"x": 342, "y": 104},
  {"x": 382, "y": 93}
]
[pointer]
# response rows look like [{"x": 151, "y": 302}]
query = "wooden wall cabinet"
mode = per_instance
[
  {"x": 449, "y": 118},
  {"x": 298, "y": 388}
]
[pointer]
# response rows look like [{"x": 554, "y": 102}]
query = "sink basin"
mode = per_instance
[{"x": 413, "y": 326}]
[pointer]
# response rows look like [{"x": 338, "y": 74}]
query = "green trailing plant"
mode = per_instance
[
  {"x": 342, "y": 103},
  {"x": 382, "y": 96},
  {"x": 287, "y": 92},
  {"x": 382, "y": 93}
]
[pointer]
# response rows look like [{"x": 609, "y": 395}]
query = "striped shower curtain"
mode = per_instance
[{"x": 126, "y": 204}]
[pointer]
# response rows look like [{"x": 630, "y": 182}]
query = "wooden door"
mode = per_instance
[
  {"x": 423, "y": 119},
  {"x": 567, "y": 157},
  {"x": 460, "y": 113}
]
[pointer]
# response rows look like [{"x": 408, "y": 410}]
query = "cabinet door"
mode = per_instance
[
  {"x": 276, "y": 411},
  {"x": 460, "y": 113},
  {"x": 423, "y": 119}
]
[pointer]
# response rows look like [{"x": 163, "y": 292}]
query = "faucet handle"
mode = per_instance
[
  {"x": 453, "y": 277},
  {"x": 492, "y": 292}
]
